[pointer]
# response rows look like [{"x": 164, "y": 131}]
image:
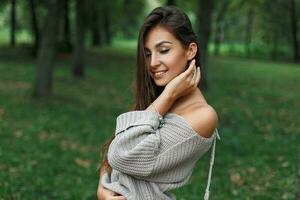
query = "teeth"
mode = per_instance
[{"x": 159, "y": 73}]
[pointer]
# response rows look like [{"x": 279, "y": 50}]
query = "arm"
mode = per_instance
[
  {"x": 162, "y": 104},
  {"x": 105, "y": 194},
  {"x": 134, "y": 149}
]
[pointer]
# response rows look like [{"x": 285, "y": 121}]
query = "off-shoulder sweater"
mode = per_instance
[{"x": 153, "y": 154}]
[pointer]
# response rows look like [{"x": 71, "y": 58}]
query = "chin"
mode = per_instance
[{"x": 161, "y": 83}]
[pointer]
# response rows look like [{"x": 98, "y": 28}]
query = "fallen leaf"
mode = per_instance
[{"x": 86, "y": 163}]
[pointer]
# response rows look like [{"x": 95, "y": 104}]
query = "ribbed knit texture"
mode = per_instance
[{"x": 152, "y": 155}]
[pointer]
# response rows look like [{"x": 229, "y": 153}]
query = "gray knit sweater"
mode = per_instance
[{"x": 151, "y": 155}]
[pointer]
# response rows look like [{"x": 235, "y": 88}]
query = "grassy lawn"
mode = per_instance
[{"x": 49, "y": 149}]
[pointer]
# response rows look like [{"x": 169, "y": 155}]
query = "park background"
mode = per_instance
[{"x": 66, "y": 72}]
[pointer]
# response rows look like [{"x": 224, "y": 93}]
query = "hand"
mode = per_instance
[
  {"x": 105, "y": 194},
  {"x": 185, "y": 82}
]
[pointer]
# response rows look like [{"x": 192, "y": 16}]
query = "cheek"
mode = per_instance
[{"x": 176, "y": 62}]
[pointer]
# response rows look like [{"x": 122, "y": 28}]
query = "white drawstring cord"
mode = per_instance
[{"x": 212, "y": 158}]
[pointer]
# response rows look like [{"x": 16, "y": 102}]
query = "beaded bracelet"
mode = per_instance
[{"x": 160, "y": 119}]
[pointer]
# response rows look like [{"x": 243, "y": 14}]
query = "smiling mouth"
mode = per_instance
[{"x": 159, "y": 74}]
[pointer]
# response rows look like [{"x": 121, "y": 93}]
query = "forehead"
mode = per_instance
[{"x": 157, "y": 35}]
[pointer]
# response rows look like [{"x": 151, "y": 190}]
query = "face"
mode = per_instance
[{"x": 165, "y": 55}]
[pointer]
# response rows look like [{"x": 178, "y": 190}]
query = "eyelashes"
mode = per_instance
[
  {"x": 164, "y": 51},
  {"x": 161, "y": 52}
]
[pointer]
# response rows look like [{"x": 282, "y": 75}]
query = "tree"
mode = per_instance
[
  {"x": 294, "y": 27},
  {"x": 78, "y": 54},
  {"x": 34, "y": 25},
  {"x": 274, "y": 26},
  {"x": 170, "y": 2},
  {"x": 204, "y": 29},
  {"x": 106, "y": 22},
  {"x": 13, "y": 23},
  {"x": 66, "y": 26},
  {"x": 221, "y": 12},
  {"x": 47, "y": 49},
  {"x": 132, "y": 10},
  {"x": 95, "y": 23},
  {"x": 249, "y": 27}
]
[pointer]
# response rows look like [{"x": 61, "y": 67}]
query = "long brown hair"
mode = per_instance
[{"x": 145, "y": 90}]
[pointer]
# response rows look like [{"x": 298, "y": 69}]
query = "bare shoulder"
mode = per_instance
[{"x": 203, "y": 119}]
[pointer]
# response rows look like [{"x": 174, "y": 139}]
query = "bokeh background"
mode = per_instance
[{"x": 66, "y": 73}]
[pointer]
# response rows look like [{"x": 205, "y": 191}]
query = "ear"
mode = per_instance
[{"x": 192, "y": 50}]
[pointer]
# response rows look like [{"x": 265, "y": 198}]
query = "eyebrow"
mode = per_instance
[{"x": 160, "y": 43}]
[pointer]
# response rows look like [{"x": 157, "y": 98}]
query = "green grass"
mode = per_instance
[{"x": 49, "y": 149}]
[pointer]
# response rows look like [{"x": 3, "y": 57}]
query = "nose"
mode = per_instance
[{"x": 154, "y": 61}]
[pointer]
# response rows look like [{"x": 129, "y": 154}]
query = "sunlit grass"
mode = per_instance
[{"x": 23, "y": 36}]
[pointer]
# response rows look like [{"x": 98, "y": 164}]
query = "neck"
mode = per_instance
[{"x": 193, "y": 97}]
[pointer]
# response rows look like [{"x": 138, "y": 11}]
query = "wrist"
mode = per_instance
[{"x": 171, "y": 97}]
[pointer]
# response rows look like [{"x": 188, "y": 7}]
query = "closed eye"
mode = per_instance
[
  {"x": 164, "y": 51},
  {"x": 148, "y": 55}
]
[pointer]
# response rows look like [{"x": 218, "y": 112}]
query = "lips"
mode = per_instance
[{"x": 159, "y": 74}]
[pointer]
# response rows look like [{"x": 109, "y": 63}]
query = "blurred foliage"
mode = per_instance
[{"x": 271, "y": 28}]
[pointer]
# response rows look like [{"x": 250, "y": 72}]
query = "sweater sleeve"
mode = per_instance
[{"x": 136, "y": 143}]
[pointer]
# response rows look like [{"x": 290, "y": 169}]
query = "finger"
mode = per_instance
[
  {"x": 193, "y": 68},
  {"x": 194, "y": 79},
  {"x": 194, "y": 73},
  {"x": 109, "y": 192},
  {"x": 198, "y": 75},
  {"x": 118, "y": 198},
  {"x": 190, "y": 68},
  {"x": 191, "y": 76}
]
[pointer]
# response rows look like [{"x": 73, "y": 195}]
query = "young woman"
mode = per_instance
[{"x": 158, "y": 143}]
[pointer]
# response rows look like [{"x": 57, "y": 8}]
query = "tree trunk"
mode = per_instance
[
  {"x": 106, "y": 23},
  {"x": 170, "y": 2},
  {"x": 248, "y": 35},
  {"x": 95, "y": 24},
  {"x": 96, "y": 37},
  {"x": 218, "y": 39},
  {"x": 274, "y": 51},
  {"x": 78, "y": 54},
  {"x": 13, "y": 23},
  {"x": 294, "y": 31},
  {"x": 204, "y": 30},
  {"x": 126, "y": 20},
  {"x": 219, "y": 28},
  {"x": 35, "y": 28},
  {"x": 67, "y": 32},
  {"x": 46, "y": 54}
]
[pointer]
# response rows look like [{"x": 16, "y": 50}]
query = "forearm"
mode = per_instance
[
  {"x": 102, "y": 192},
  {"x": 103, "y": 170},
  {"x": 162, "y": 104}
]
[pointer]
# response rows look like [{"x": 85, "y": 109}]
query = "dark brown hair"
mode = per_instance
[{"x": 146, "y": 91}]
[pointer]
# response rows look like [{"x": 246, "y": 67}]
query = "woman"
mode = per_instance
[{"x": 156, "y": 145}]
